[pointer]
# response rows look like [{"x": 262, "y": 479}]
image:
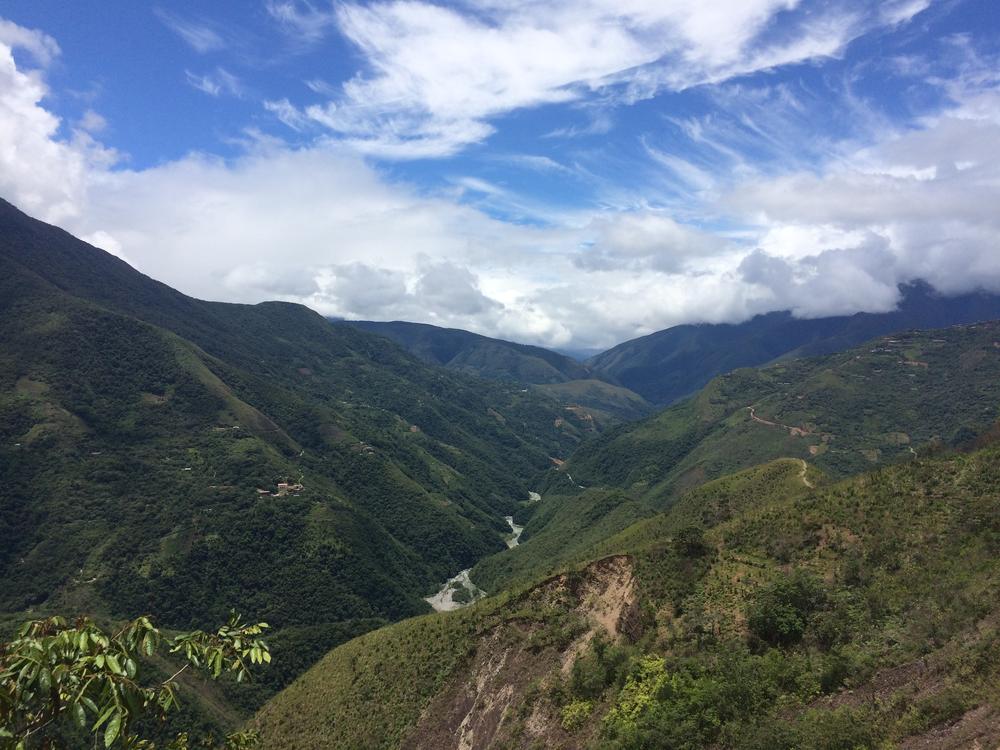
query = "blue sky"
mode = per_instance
[{"x": 564, "y": 173}]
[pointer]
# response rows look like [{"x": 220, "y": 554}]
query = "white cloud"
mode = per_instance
[
  {"x": 216, "y": 83},
  {"x": 437, "y": 76},
  {"x": 43, "y": 171},
  {"x": 918, "y": 205},
  {"x": 199, "y": 35},
  {"x": 39, "y": 44},
  {"x": 319, "y": 225},
  {"x": 646, "y": 240},
  {"x": 92, "y": 122}
]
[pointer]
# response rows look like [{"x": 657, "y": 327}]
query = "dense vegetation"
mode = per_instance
[
  {"x": 63, "y": 684},
  {"x": 570, "y": 382},
  {"x": 773, "y": 615},
  {"x": 143, "y": 436},
  {"x": 674, "y": 363},
  {"x": 471, "y": 353},
  {"x": 847, "y": 413}
]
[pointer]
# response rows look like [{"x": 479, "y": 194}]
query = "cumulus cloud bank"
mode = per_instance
[{"x": 321, "y": 226}]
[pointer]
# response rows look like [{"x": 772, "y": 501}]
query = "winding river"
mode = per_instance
[{"x": 444, "y": 600}]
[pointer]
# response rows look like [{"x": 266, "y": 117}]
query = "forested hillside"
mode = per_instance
[
  {"x": 474, "y": 354},
  {"x": 146, "y": 438},
  {"x": 847, "y": 413},
  {"x": 577, "y": 387},
  {"x": 674, "y": 363}
]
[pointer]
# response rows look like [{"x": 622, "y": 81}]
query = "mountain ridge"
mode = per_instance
[{"x": 671, "y": 364}]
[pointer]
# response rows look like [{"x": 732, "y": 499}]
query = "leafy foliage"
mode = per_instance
[
  {"x": 782, "y": 610},
  {"x": 60, "y": 682}
]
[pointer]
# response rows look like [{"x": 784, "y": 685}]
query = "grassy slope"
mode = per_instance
[
  {"x": 860, "y": 409},
  {"x": 905, "y": 563}
]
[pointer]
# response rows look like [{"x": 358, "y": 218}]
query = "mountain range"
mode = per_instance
[
  {"x": 669, "y": 365},
  {"x": 800, "y": 554}
]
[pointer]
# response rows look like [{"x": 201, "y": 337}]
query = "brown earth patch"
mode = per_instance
[
  {"x": 978, "y": 729},
  {"x": 493, "y": 701}
]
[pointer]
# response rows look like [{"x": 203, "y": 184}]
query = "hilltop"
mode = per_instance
[{"x": 472, "y": 353}]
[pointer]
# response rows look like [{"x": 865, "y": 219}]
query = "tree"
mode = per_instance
[
  {"x": 782, "y": 610},
  {"x": 60, "y": 682},
  {"x": 690, "y": 542}
]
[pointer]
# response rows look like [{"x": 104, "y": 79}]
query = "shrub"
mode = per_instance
[
  {"x": 781, "y": 612},
  {"x": 575, "y": 714}
]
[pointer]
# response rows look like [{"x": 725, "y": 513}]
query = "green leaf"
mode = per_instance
[
  {"x": 112, "y": 730},
  {"x": 79, "y": 715},
  {"x": 114, "y": 664},
  {"x": 104, "y": 717}
]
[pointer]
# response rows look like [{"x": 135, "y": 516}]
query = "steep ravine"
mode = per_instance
[{"x": 459, "y": 590}]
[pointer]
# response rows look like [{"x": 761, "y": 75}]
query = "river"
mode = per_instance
[{"x": 444, "y": 600}]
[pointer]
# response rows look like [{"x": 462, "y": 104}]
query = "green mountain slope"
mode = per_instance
[
  {"x": 144, "y": 434},
  {"x": 847, "y": 413},
  {"x": 575, "y": 386},
  {"x": 674, "y": 363},
  {"x": 759, "y": 612},
  {"x": 477, "y": 355}
]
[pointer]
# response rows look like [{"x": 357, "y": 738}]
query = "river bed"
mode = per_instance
[{"x": 444, "y": 600}]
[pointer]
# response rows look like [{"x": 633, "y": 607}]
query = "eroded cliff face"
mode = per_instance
[{"x": 492, "y": 702}]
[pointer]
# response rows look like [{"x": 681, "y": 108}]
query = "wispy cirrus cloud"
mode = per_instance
[
  {"x": 765, "y": 214},
  {"x": 202, "y": 36},
  {"x": 303, "y": 20},
  {"x": 436, "y": 77},
  {"x": 216, "y": 83}
]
